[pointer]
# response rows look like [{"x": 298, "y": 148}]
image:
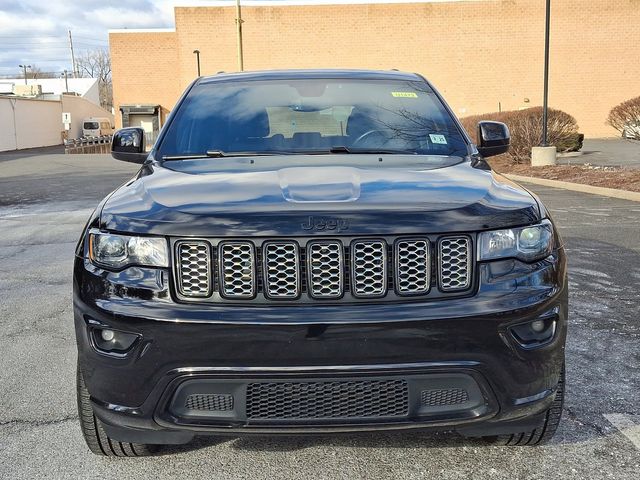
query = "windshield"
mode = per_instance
[
  {"x": 90, "y": 125},
  {"x": 312, "y": 116}
]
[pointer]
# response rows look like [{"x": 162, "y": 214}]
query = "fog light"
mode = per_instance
[
  {"x": 535, "y": 333},
  {"x": 114, "y": 342},
  {"x": 536, "y": 326},
  {"x": 107, "y": 335}
]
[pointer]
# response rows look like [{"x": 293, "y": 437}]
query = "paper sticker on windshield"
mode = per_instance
[
  {"x": 441, "y": 139},
  {"x": 405, "y": 94}
]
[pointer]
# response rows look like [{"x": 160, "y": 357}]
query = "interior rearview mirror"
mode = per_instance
[
  {"x": 493, "y": 138},
  {"x": 129, "y": 145}
]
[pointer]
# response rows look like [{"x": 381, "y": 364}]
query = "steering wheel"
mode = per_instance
[{"x": 367, "y": 134}]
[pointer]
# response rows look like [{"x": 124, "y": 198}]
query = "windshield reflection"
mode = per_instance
[{"x": 312, "y": 116}]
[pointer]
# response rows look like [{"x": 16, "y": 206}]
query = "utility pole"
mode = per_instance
[
  {"x": 545, "y": 154},
  {"x": 24, "y": 69},
  {"x": 73, "y": 58},
  {"x": 197, "y": 52},
  {"x": 66, "y": 82},
  {"x": 545, "y": 100},
  {"x": 239, "y": 25}
]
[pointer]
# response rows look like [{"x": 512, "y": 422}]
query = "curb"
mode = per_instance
[{"x": 577, "y": 187}]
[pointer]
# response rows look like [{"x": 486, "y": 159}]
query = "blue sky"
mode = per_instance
[{"x": 35, "y": 31}]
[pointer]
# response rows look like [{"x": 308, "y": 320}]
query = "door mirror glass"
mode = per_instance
[
  {"x": 129, "y": 145},
  {"x": 493, "y": 138}
]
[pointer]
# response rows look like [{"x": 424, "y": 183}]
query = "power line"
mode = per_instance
[
  {"x": 61, "y": 36},
  {"x": 91, "y": 38},
  {"x": 45, "y": 48},
  {"x": 48, "y": 60},
  {"x": 84, "y": 42}
]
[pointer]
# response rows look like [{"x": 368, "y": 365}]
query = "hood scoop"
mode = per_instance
[{"x": 324, "y": 184}]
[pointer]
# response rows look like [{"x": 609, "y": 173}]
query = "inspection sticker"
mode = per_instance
[
  {"x": 441, "y": 139},
  {"x": 405, "y": 94}
]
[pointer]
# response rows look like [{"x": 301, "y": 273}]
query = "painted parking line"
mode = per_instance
[{"x": 626, "y": 426}]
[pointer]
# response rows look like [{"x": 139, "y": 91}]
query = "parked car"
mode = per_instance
[
  {"x": 97, "y": 127},
  {"x": 317, "y": 251}
]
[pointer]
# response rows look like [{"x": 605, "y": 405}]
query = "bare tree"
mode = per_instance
[
  {"x": 626, "y": 118},
  {"x": 97, "y": 64},
  {"x": 36, "y": 72}
]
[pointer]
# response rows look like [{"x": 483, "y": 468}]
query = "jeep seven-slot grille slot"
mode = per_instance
[{"x": 352, "y": 269}]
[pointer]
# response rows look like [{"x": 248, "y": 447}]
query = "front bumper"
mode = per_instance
[{"x": 221, "y": 349}]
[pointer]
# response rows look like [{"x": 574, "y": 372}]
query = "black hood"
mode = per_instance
[{"x": 199, "y": 198}]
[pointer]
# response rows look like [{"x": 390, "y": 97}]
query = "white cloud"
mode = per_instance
[{"x": 36, "y": 32}]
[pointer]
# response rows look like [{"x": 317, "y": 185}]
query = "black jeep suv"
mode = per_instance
[{"x": 317, "y": 251}]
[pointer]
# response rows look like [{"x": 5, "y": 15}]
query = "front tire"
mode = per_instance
[
  {"x": 545, "y": 431},
  {"x": 94, "y": 434}
]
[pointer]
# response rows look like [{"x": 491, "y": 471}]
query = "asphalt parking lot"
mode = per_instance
[
  {"x": 44, "y": 202},
  {"x": 608, "y": 152}
]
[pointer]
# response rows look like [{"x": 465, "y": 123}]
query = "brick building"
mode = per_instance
[{"x": 483, "y": 55}]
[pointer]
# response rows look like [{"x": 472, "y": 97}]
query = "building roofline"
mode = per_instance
[
  {"x": 141, "y": 30},
  {"x": 278, "y": 3},
  {"x": 286, "y": 3}
]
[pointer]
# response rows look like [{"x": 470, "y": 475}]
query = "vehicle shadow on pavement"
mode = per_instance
[
  {"x": 572, "y": 431},
  {"x": 287, "y": 443}
]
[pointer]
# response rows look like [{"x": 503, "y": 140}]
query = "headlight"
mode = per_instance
[
  {"x": 118, "y": 251},
  {"x": 526, "y": 243}
]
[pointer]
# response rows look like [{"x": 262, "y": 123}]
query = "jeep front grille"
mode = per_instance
[
  {"x": 282, "y": 270},
  {"x": 308, "y": 270},
  {"x": 369, "y": 266},
  {"x": 413, "y": 267},
  {"x": 326, "y": 269},
  {"x": 237, "y": 270},
  {"x": 455, "y": 263},
  {"x": 194, "y": 268}
]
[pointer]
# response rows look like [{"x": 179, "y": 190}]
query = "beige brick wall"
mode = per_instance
[
  {"x": 144, "y": 68},
  {"x": 478, "y": 54}
]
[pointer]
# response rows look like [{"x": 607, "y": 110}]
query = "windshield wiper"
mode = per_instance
[
  {"x": 334, "y": 149},
  {"x": 215, "y": 154},
  {"x": 345, "y": 149}
]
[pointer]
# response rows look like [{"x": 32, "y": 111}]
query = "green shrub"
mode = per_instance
[
  {"x": 526, "y": 130},
  {"x": 626, "y": 118}
]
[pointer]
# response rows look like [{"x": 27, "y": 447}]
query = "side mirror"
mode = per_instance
[
  {"x": 128, "y": 145},
  {"x": 493, "y": 138}
]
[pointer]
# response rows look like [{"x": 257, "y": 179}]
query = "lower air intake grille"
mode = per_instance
[
  {"x": 441, "y": 397},
  {"x": 212, "y": 402},
  {"x": 327, "y": 400}
]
